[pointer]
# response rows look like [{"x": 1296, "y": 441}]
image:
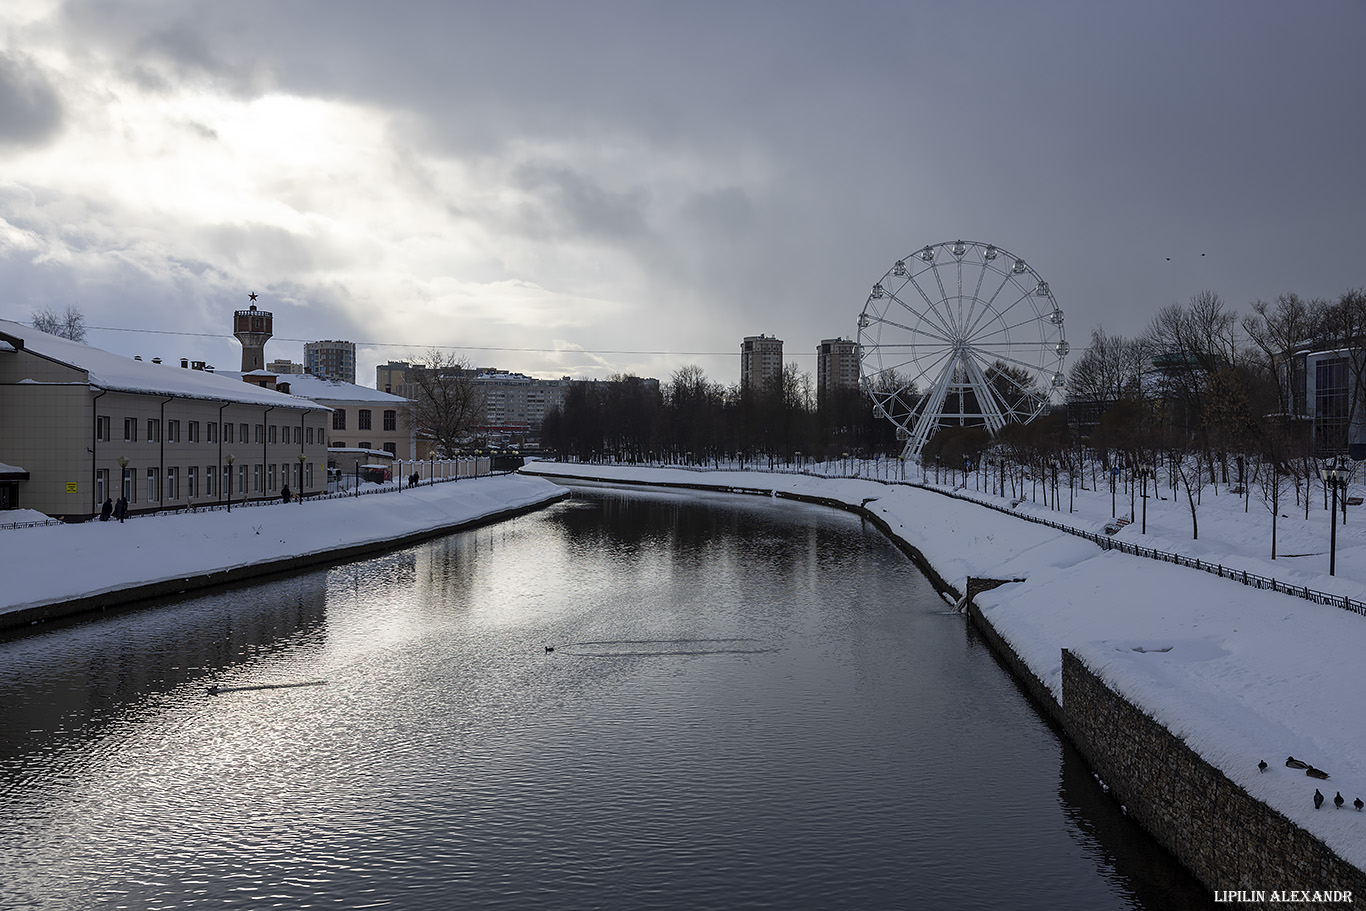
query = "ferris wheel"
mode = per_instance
[{"x": 960, "y": 334}]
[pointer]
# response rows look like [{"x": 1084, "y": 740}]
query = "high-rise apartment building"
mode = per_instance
[
  {"x": 761, "y": 360},
  {"x": 837, "y": 365},
  {"x": 331, "y": 360}
]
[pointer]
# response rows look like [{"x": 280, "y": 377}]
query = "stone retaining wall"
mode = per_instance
[{"x": 1230, "y": 840}]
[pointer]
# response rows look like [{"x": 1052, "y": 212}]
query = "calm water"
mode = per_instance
[{"x": 749, "y": 704}]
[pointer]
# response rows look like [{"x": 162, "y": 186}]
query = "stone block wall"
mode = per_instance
[{"x": 1227, "y": 838}]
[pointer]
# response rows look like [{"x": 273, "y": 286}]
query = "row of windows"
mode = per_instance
[
  {"x": 286, "y": 434},
  {"x": 363, "y": 419},
  {"x": 153, "y": 492}
]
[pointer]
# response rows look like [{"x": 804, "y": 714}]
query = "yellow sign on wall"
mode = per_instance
[{"x": 70, "y": 486}]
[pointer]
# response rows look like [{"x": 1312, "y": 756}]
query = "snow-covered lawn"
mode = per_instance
[{"x": 1243, "y": 675}]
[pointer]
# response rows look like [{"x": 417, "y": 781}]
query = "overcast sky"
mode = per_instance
[{"x": 588, "y": 184}]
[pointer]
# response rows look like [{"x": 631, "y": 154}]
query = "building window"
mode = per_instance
[
  {"x": 210, "y": 432},
  {"x": 208, "y": 479},
  {"x": 227, "y": 433},
  {"x": 191, "y": 482},
  {"x": 308, "y": 474},
  {"x": 390, "y": 420},
  {"x": 242, "y": 476},
  {"x": 130, "y": 430},
  {"x": 173, "y": 431},
  {"x": 391, "y": 448},
  {"x": 365, "y": 445},
  {"x": 102, "y": 432},
  {"x": 337, "y": 444},
  {"x": 339, "y": 419},
  {"x": 172, "y": 483},
  {"x": 193, "y": 434},
  {"x": 260, "y": 433},
  {"x": 270, "y": 476},
  {"x": 363, "y": 419},
  {"x": 101, "y": 486},
  {"x": 153, "y": 430},
  {"x": 242, "y": 433},
  {"x": 151, "y": 485},
  {"x": 271, "y": 434},
  {"x": 1332, "y": 404},
  {"x": 309, "y": 437},
  {"x": 126, "y": 488}
]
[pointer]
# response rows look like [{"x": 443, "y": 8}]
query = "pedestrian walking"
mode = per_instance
[
  {"x": 284, "y": 494},
  {"x": 106, "y": 510},
  {"x": 121, "y": 508}
]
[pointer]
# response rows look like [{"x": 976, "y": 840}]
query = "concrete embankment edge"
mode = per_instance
[
  {"x": 1228, "y": 839},
  {"x": 33, "y": 616}
]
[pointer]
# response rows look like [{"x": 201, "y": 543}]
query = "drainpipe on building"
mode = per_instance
[
  {"x": 265, "y": 443},
  {"x": 95, "y": 449},
  {"x": 218, "y": 469},
  {"x": 300, "y": 485},
  {"x": 161, "y": 480}
]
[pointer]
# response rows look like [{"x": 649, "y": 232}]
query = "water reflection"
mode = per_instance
[{"x": 748, "y": 704}]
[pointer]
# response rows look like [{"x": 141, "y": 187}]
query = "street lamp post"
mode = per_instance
[
  {"x": 300, "y": 480},
  {"x": 1144, "y": 472},
  {"x": 1334, "y": 474},
  {"x": 229, "y": 458}
]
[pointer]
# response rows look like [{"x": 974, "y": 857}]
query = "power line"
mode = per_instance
[{"x": 224, "y": 336}]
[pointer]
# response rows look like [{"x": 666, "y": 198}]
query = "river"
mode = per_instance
[{"x": 749, "y": 704}]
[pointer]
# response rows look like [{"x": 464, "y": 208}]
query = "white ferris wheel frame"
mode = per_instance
[{"x": 918, "y": 333}]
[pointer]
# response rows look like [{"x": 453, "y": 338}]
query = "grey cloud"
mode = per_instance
[
  {"x": 569, "y": 202},
  {"x": 30, "y": 108}
]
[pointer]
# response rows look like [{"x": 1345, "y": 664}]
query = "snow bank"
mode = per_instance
[{"x": 65, "y": 562}]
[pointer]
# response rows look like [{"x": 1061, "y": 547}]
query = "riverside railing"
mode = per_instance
[{"x": 215, "y": 506}]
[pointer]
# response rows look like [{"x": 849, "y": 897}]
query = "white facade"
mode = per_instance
[{"x": 88, "y": 425}]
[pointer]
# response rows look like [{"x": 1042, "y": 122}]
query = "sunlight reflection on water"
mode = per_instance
[{"x": 748, "y": 704}]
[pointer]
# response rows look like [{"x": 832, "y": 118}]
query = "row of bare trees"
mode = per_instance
[
  {"x": 1200, "y": 401},
  {"x": 692, "y": 419}
]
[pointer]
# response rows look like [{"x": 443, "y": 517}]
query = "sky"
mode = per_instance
[{"x": 593, "y": 188}]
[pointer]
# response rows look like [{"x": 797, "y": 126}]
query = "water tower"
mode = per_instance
[{"x": 253, "y": 329}]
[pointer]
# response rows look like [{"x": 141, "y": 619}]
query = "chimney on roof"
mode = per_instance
[
  {"x": 184, "y": 363},
  {"x": 197, "y": 365},
  {"x": 156, "y": 360},
  {"x": 208, "y": 368},
  {"x": 137, "y": 357}
]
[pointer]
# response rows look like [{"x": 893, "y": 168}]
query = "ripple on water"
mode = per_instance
[{"x": 748, "y": 705}]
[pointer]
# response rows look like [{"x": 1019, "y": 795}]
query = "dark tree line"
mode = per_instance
[{"x": 692, "y": 420}]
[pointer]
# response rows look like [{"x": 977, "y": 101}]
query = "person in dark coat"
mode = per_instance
[
  {"x": 284, "y": 494},
  {"x": 121, "y": 508},
  {"x": 106, "y": 510}
]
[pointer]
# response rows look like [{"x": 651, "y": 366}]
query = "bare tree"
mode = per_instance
[
  {"x": 450, "y": 405},
  {"x": 70, "y": 324},
  {"x": 1110, "y": 369},
  {"x": 1277, "y": 331}
]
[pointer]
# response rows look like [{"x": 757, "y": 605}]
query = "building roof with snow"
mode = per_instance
[
  {"x": 318, "y": 389},
  {"x": 117, "y": 373}
]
